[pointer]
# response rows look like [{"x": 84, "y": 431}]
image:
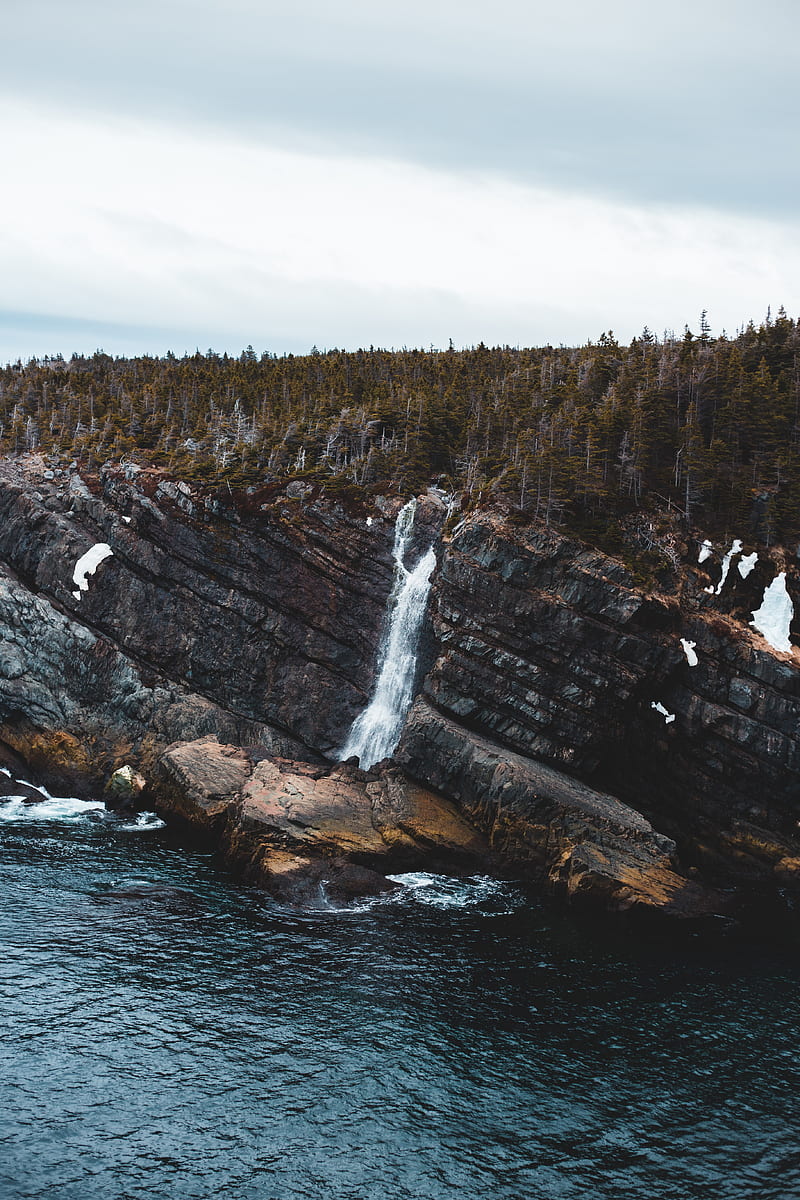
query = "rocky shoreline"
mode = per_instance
[{"x": 561, "y": 731}]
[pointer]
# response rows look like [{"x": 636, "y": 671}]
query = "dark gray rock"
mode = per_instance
[
  {"x": 273, "y": 617},
  {"x": 582, "y": 841},
  {"x": 550, "y": 649}
]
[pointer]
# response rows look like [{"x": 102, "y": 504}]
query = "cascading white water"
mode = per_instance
[{"x": 376, "y": 732}]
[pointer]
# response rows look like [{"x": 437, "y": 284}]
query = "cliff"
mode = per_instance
[
  {"x": 551, "y": 649},
  {"x": 246, "y": 628},
  {"x": 257, "y": 625}
]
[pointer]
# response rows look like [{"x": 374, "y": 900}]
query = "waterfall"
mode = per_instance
[{"x": 376, "y": 732}]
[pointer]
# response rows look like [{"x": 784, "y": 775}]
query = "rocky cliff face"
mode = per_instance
[
  {"x": 549, "y": 649},
  {"x": 255, "y": 621},
  {"x": 258, "y": 625}
]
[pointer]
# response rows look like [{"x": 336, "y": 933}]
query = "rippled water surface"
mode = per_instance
[{"x": 167, "y": 1034}]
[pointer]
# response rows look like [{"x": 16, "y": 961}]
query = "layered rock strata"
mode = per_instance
[
  {"x": 561, "y": 715},
  {"x": 256, "y": 623},
  {"x": 552, "y": 651},
  {"x": 586, "y": 843}
]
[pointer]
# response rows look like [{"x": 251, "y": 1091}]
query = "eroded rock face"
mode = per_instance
[
  {"x": 258, "y": 626},
  {"x": 76, "y": 707}
]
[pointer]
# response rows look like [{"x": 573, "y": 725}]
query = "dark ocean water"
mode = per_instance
[{"x": 169, "y": 1034}]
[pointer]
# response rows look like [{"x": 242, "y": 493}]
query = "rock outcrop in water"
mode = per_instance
[
  {"x": 295, "y": 827},
  {"x": 585, "y": 842},
  {"x": 562, "y": 729}
]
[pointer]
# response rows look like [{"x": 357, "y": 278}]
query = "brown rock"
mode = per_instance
[
  {"x": 329, "y": 810},
  {"x": 295, "y": 827},
  {"x": 318, "y": 882},
  {"x": 208, "y": 777},
  {"x": 787, "y": 871},
  {"x": 633, "y": 880},
  {"x": 410, "y": 816}
]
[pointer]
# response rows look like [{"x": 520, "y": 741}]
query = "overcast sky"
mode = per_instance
[{"x": 187, "y": 173}]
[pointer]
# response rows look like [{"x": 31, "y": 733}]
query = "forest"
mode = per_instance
[{"x": 707, "y": 427}]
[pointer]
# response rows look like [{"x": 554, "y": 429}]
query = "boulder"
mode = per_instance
[
  {"x": 294, "y": 826},
  {"x": 124, "y": 787}
]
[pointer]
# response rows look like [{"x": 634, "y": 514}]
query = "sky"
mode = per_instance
[{"x": 187, "y": 174}]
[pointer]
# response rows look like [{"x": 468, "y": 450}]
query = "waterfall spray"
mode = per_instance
[{"x": 376, "y": 732}]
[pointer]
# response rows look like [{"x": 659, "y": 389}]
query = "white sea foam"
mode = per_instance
[
  {"x": 447, "y": 891},
  {"x": 433, "y": 891},
  {"x": 144, "y": 820},
  {"x": 49, "y": 808}
]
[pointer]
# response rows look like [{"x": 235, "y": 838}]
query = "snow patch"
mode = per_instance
[
  {"x": 736, "y": 548},
  {"x": 127, "y": 520},
  {"x": 747, "y": 563},
  {"x": 705, "y": 551},
  {"x": 369, "y": 522},
  {"x": 688, "y": 650},
  {"x": 87, "y": 564},
  {"x": 773, "y": 618},
  {"x": 666, "y": 714}
]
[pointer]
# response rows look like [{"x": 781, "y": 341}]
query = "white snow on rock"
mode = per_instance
[
  {"x": 747, "y": 563},
  {"x": 705, "y": 551},
  {"x": 127, "y": 520},
  {"x": 736, "y": 548},
  {"x": 774, "y": 617},
  {"x": 688, "y": 650},
  {"x": 369, "y": 522},
  {"x": 666, "y": 714},
  {"x": 87, "y": 564}
]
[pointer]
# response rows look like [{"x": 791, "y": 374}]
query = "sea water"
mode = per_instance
[{"x": 168, "y": 1033}]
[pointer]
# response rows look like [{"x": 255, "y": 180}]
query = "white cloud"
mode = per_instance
[
  {"x": 147, "y": 224},
  {"x": 695, "y": 105}
]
